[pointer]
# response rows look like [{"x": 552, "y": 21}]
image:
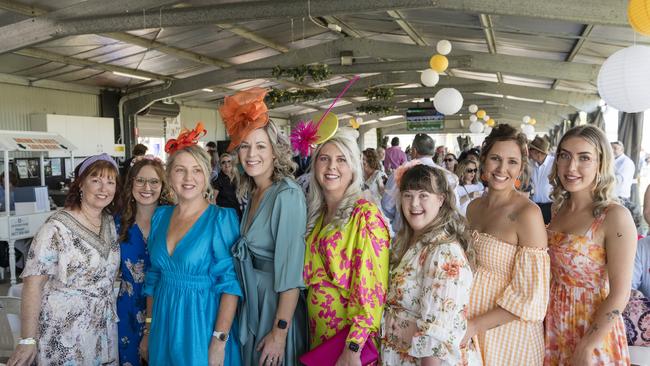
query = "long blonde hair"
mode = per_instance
[
  {"x": 283, "y": 166},
  {"x": 605, "y": 178},
  {"x": 447, "y": 227},
  {"x": 316, "y": 200},
  {"x": 233, "y": 166}
]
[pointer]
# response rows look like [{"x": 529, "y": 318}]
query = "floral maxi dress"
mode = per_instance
[
  {"x": 579, "y": 284},
  {"x": 77, "y": 324}
]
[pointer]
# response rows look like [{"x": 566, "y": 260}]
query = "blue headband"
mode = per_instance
[{"x": 95, "y": 158}]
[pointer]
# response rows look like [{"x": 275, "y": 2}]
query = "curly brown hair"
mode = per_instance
[
  {"x": 372, "y": 158},
  {"x": 100, "y": 168},
  {"x": 505, "y": 132},
  {"x": 128, "y": 205}
]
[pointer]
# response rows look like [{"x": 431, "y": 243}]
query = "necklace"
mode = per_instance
[{"x": 90, "y": 221}]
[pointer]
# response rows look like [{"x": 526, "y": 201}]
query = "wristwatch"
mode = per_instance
[
  {"x": 282, "y": 324},
  {"x": 221, "y": 336},
  {"x": 353, "y": 347}
]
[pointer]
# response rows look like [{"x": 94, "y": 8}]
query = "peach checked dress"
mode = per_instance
[
  {"x": 579, "y": 285},
  {"x": 515, "y": 278}
]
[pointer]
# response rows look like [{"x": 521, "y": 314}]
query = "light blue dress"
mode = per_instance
[{"x": 187, "y": 287}]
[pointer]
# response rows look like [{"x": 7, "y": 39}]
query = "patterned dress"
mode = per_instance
[
  {"x": 77, "y": 324},
  {"x": 515, "y": 278},
  {"x": 131, "y": 302},
  {"x": 579, "y": 285},
  {"x": 426, "y": 309},
  {"x": 346, "y": 272}
]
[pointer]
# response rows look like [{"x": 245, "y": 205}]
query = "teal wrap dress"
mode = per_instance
[
  {"x": 187, "y": 287},
  {"x": 269, "y": 259}
]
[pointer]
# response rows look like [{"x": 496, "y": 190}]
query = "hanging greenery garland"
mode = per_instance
[
  {"x": 282, "y": 96},
  {"x": 318, "y": 72},
  {"x": 379, "y": 93},
  {"x": 376, "y": 108}
]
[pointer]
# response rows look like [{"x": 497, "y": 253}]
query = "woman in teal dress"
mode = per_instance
[
  {"x": 192, "y": 281},
  {"x": 270, "y": 253}
]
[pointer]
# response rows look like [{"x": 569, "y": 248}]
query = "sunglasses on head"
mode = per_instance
[
  {"x": 449, "y": 159},
  {"x": 470, "y": 171}
]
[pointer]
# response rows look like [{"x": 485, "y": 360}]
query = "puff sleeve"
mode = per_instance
[
  {"x": 527, "y": 295},
  {"x": 446, "y": 281},
  {"x": 288, "y": 225},
  {"x": 226, "y": 233},
  {"x": 369, "y": 273}
]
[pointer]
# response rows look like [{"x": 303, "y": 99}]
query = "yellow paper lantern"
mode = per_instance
[
  {"x": 638, "y": 14},
  {"x": 353, "y": 122},
  {"x": 532, "y": 121},
  {"x": 327, "y": 128},
  {"x": 439, "y": 63},
  {"x": 491, "y": 122},
  {"x": 480, "y": 114}
]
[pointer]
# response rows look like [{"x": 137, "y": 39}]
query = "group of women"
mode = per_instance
[{"x": 201, "y": 287}]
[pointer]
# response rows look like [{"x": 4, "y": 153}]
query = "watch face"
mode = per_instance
[
  {"x": 223, "y": 337},
  {"x": 353, "y": 347},
  {"x": 282, "y": 324}
]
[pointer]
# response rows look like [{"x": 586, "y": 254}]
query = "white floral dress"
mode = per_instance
[
  {"x": 77, "y": 323},
  {"x": 426, "y": 309}
]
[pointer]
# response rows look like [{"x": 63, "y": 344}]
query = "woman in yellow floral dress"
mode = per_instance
[
  {"x": 592, "y": 242},
  {"x": 426, "y": 311},
  {"x": 346, "y": 261}
]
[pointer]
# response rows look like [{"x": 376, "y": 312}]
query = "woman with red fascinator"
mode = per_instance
[{"x": 192, "y": 286}]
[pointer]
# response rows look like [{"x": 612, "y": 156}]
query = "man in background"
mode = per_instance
[
  {"x": 394, "y": 156},
  {"x": 623, "y": 170},
  {"x": 541, "y": 164}
]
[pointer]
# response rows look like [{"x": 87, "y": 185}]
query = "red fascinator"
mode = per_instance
[
  {"x": 244, "y": 112},
  {"x": 185, "y": 138}
]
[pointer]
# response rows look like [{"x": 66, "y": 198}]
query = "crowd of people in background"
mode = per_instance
[{"x": 511, "y": 253}]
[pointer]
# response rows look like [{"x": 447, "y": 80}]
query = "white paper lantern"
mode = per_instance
[
  {"x": 448, "y": 101},
  {"x": 476, "y": 127},
  {"x": 528, "y": 130},
  {"x": 443, "y": 47},
  {"x": 624, "y": 79},
  {"x": 486, "y": 118},
  {"x": 473, "y": 118},
  {"x": 473, "y": 108},
  {"x": 526, "y": 119},
  {"x": 429, "y": 77},
  {"x": 487, "y": 130}
]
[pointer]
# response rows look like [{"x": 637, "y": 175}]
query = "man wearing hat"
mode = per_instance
[{"x": 541, "y": 164}]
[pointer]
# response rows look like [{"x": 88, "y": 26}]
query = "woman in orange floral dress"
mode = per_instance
[
  {"x": 509, "y": 296},
  {"x": 592, "y": 242}
]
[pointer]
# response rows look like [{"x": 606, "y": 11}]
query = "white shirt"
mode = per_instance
[
  {"x": 539, "y": 180},
  {"x": 391, "y": 193},
  {"x": 462, "y": 191},
  {"x": 624, "y": 171}
]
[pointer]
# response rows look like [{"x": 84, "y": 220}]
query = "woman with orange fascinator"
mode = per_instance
[
  {"x": 269, "y": 255},
  {"x": 191, "y": 284}
]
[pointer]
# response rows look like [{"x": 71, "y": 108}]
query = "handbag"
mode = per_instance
[{"x": 328, "y": 352}]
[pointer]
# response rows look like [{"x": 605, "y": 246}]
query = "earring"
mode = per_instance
[{"x": 517, "y": 183}]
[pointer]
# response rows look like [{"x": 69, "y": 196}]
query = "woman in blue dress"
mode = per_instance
[
  {"x": 192, "y": 282},
  {"x": 142, "y": 193}
]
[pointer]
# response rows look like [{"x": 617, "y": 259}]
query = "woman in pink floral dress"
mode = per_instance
[{"x": 592, "y": 242}]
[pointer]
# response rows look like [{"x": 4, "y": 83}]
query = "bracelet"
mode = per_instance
[
  {"x": 147, "y": 320},
  {"x": 27, "y": 341}
]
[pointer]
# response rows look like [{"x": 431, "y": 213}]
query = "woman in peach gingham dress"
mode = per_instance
[
  {"x": 592, "y": 242},
  {"x": 510, "y": 292}
]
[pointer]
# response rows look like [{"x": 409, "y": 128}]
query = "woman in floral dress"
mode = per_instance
[
  {"x": 426, "y": 311},
  {"x": 346, "y": 262},
  {"x": 592, "y": 243},
  {"x": 68, "y": 314},
  {"x": 142, "y": 193}
]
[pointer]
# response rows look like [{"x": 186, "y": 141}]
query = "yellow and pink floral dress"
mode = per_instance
[
  {"x": 346, "y": 273},
  {"x": 579, "y": 284}
]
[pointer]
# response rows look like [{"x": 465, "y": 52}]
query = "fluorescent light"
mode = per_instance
[
  {"x": 131, "y": 76},
  {"x": 208, "y": 90}
]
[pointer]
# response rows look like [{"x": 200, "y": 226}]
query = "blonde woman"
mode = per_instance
[
  {"x": 510, "y": 292},
  {"x": 346, "y": 263},
  {"x": 226, "y": 184},
  {"x": 592, "y": 242},
  {"x": 469, "y": 187},
  {"x": 426, "y": 310}
]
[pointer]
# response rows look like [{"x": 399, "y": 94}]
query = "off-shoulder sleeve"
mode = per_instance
[
  {"x": 446, "y": 284},
  {"x": 369, "y": 275},
  {"x": 527, "y": 294},
  {"x": 225, "y": 236},
  {"x": 152, "y": 276},
  {"x": 288, "y": 225},
  {"x": 44, "y": 253}
]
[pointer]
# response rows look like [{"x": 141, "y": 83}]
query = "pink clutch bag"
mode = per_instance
[{"x": 328, "y": 352}]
